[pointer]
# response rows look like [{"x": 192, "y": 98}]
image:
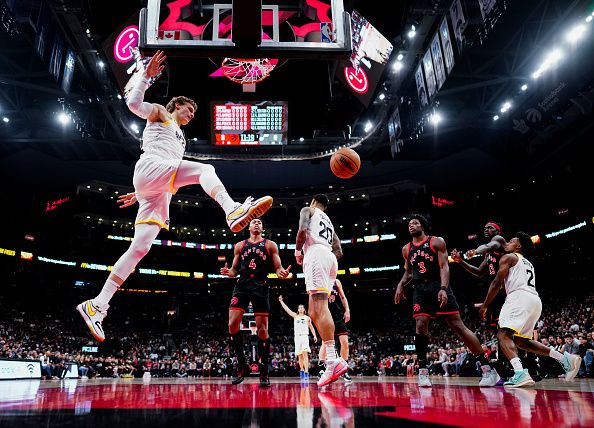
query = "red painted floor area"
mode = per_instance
[{"x": 365, "y": 402}]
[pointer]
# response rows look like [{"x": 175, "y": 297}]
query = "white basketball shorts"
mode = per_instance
[
  {"x": 520, "y": 313},
  {"x": 302, "y": 344},
  {"x": 320, "y": 267}
]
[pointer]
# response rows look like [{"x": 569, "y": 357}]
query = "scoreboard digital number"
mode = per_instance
[{"x": 249, "y": 123}]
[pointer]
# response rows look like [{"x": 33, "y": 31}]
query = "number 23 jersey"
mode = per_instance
[{"x": 321, "y": 231}]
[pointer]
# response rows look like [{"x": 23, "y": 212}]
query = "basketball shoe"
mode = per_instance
[
  {"x": 242, "y": 372},
  {"x": 490, "y": 376},
  {"x": 571, "y": 365},
  {"x": 520, "y": 379},
  {"x": 93, "y": 316},
  {"x": 241, "y": 216},
  {"x": 334, "y": 370},
  {"x": 424, "y": 378}
]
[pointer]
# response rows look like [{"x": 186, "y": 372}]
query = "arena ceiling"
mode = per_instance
[{"x": 498, "y": 59}]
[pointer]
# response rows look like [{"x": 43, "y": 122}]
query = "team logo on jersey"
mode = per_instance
[
  {"x": 416, "y": 307},
  {"x": 420, "y": 253},
  {"x": 234, "y": 301}
]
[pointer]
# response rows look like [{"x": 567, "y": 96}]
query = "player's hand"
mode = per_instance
[
  {"x": 315, "y": 339},
  {"x": 456, "y": 256},
  {"x": 284, "y": 273},
  {"x": 483, "y": 312},
  {"x": 225, "y": 270},
  {"x": 470, "y": 254},
  {"x": 442, "y": 298},
  {"x": 347, "y": 316},
  {"x": 127, "y": 200},
  {"x": 155, "y": 65},
  {"x": 399, "y": 296},
  {"x": 299, "y": 260},
  {"x": 280, "y": 298}
]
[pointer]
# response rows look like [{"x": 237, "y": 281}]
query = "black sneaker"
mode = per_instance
[
  {"x": 242, "y": 372},
  {"x": 346, "y": 377},
  {"x": 264, "y": 381}
]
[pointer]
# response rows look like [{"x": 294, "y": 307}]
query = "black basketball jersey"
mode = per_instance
[
  {"x": 255, "y": 261},
  {"x": 493, "y": 264},
  {"x": 423, "y": 260},
  {"x": 334, "y": 302}
]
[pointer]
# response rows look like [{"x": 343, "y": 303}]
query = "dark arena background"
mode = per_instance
[{"x": 475, "y": 114}]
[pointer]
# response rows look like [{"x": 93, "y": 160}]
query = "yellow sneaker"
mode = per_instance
[{"x": 241, "y": 216}]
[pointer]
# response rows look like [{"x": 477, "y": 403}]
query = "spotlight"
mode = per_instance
[
  {"x": 524, "y": 87},
  {"x": 63, "y": 118},
  {"x": 435, "y": 118},
  {"x": 589, "y": 19},
  {"x": 101, "y": 64},
  {"x": 119, "y": 96},
  {"x": 302, "y": 139},
  {"x": 134, "y": 127},
  {"x": 397, "y": 66},
  {"x": 400, "y": 57},
  {"x": 368, "y": 126},
  {"x": 382, "y": 96},
  {"x": 506, "y": 106},
  {"x": 551, "y": 59},
  {"x": 576, "y": 33},
  {"x": 5, "y": 119},
  {"x": 496, "y": 117},
  {"x": 413, "y": 32}
]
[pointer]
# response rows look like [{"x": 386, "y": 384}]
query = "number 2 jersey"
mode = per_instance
[
  {"x": 424, "y": 261},
  {"x": 521, "y": 277},
  {"x": 321, "y": 231}
]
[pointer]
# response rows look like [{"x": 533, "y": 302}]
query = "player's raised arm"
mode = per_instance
[
  {"x": 479, "y": 271},
  {"x": 135, "y": 98},
  {"x": 286, "y": 308}
]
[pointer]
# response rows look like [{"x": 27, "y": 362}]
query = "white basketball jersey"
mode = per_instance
[
  {"x": 300, "y": 324},
  {"x": 521, "y": 277},
  {"x": 320, "y": 231},
  {"x": 163, "y": 139}
]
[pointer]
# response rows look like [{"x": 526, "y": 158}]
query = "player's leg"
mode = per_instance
[
  {"x": 505, "y": 336},
  {"x": 343, "y": 339},
  {"x": 238, "y": 215},
  {"x": 421, "y": 347},
  {"x": 305, "y": 356},
  {"x": 263, "y": 347},
  {"x": 236, "y": 310},
  {"x": 93, "y": 311}
]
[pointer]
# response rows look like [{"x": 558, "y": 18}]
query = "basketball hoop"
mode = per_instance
[
  {"x": 247, "y": 71},
  {"x": 254, "y": 330}
]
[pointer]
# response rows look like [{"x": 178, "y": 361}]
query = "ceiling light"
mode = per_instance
[
  {"x": 134, "y": 127},
  {"x": 505, "y": 107},
  {"x": 399, "y": 57},
  {"x": 397, "y": 66},
  {"x": 589, "y": 19},
  {"x": 63, "y": 118},
  {"x": 302, "y": 139},
  {"x": 496, "y": 117},
  {"x": 435, "y": 118},
  {"x": 5, "y": 119},
  {"x": 412, "y": 32},
  {"x": 576, "y": 33},
  {"x": 524, "y": 87},
  {"x": 101, "y": 64},
  {"x": 119, "y": 96},
  {"x": 368, "y": 126},
  {"x": 382, "y": 96}
]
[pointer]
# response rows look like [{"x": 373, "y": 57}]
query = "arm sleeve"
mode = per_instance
[{"x": 135, "y": 99}]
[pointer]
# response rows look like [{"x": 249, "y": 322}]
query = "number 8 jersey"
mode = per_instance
[{"x": 320, "y": 231}]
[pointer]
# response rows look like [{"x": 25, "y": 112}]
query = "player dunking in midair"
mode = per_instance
[
  {"x": 253, "y": 259},
  {"x": 521, "y": 311},
  {"x": 158, "y": 174},
  {"x": 426, "y": 264},
  {"x": 301, "y": 323},
  {"x": 317, "y": 249}
]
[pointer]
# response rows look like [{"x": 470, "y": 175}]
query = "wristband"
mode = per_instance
[
  {"x": 444, "y": 287},
  {"x": 298, "y": 253}
]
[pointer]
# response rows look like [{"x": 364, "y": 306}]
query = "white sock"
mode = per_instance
[
  {"x": 225, "y": 201},
  {"x": 516, "y": 364},
  {"x": 330, "y": 351},
  {"x": 109, "y": 289},
  {"x": 556, "y": 355}
]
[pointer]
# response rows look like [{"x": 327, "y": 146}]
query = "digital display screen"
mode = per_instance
[{"x": 249, "y": 123}]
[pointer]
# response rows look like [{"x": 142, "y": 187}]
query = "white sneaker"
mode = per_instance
[
  {"x": 446, "y": 374},
  {"x": 334, "y": 370},
  {"x": 424, "y": 378},
  {"x": 241, "y": 216},
  {"x": 93, "y": 316},
  {"x": 490, "y": 376}
]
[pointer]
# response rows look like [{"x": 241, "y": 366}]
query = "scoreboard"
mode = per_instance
[{"x": 249, "y": 123}]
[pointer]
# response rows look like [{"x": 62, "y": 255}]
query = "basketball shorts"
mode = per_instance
[
  {"x": 320, "y": 267},
  {"x": 520, "y": 313},
  {"x": 425, "y": 301},
  {"x": 301, "y": 344},
  {"x": 340, "y": 327},
  {"x": 153, "y": 184},
  {"x": 258, "y": 293}
]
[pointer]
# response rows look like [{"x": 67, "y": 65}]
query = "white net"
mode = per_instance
[{"x": 247, "y": 71}]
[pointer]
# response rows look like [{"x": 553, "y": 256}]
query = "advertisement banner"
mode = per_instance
[{"x": 20, "y": 369}]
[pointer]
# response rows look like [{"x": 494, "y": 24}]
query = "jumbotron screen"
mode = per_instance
[{"x": 249, "y": 123}]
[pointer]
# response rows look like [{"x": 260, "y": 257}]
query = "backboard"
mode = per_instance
[{"x": 307, "y": 29}]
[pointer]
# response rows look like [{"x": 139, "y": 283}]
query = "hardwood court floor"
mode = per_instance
[{"x": 368, "y": 401}]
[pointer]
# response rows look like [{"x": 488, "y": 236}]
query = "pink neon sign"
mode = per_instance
[
  {"x": 357, "y": 79},
  {"x": 127, "y": 39}
]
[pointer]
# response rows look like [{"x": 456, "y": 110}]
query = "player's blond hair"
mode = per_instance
[{"x": 180, "y": 100}]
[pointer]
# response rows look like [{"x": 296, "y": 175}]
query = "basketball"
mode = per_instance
[{"x": 345, "y": 163}]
